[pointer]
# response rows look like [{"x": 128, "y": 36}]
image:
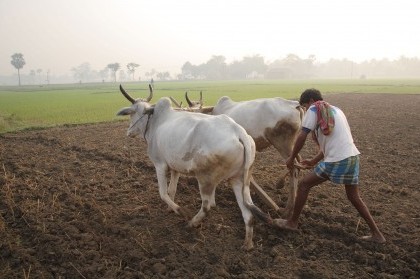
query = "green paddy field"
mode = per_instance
[{"x": 34, "y": 107}]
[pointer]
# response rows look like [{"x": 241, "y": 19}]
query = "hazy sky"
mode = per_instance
[{"x": 58, "y": 35}]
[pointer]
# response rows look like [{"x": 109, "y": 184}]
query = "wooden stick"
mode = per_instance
[
  {"x": 298, "y": 166},
  {"x": 264, "y": 196}
]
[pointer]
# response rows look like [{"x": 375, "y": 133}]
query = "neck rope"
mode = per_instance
[{"x": 147, "y": 124}]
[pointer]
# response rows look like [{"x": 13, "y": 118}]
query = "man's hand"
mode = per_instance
[{"x": 308, "y": 163}]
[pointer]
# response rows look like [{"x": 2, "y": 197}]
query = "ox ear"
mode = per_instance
[{"x": 126, "y": 111}]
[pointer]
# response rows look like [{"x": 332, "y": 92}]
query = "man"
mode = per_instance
[{"x": 339, "y": 155}]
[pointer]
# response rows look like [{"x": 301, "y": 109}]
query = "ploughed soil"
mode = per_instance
[{"x": 83, "y": 202}]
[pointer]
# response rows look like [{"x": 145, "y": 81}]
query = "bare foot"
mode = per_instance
[
  {"x": 283, "y": 224},
  {"x": 377, "y": 239}
]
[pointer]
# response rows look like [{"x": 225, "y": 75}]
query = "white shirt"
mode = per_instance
[{"x": 338, "y": 145}]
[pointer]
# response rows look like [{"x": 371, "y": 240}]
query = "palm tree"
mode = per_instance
[
  {"x": 114, "y": 68},
  {"x": 18, "y": 62},
  {"x": 132, "y": 68}
]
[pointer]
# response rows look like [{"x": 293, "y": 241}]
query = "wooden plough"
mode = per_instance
[{"x": 264, "y": 196}]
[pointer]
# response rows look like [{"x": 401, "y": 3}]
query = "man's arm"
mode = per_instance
[{"x": 312, "y": 162}]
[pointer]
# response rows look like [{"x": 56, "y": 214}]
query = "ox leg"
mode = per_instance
[
  {"x": 284, "y": 145},
  {"x": 173, "y": 183},
  {"x": 293, "y": 181},
  {"x": 207, "y": 190},
  {"x": 163, "y": 189},
  {"x": 237, "y": 185},
  {"x": 213, "y": 198}
]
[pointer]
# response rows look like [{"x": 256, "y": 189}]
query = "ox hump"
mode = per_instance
[
  {"x": 163, "y": 105},
  {"x": 224, "y": 99},
  {"x": 223, "y": 104}
]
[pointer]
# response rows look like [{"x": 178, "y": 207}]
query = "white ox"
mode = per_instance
[
  {"x": 269, "y": 121},
  {"x": 212, "y": 148}
]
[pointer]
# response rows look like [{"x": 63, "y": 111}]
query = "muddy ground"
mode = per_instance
[{"x": 82, "y": 202}]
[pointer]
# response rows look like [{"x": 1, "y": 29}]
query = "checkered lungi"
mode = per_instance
[{"x": 342, "y": 172}]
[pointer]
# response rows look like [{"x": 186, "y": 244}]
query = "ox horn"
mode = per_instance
[
  {"x": 131, "y": 99},
  {"x": 151, "y": 93},
  {"x": 175, "y": 102},
  {"x": 201, "y": 97},
  {"x": 190, "y": 104}
]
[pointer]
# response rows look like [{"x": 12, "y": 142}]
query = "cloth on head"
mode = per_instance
[{"x": 325, "y": 117}]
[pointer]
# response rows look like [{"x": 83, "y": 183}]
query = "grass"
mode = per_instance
[{"x": 29, "y": 107}]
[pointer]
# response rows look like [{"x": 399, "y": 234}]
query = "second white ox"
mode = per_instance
[
  {"x": 212, "y": 148},
  {"x": 269, "y": 121}
]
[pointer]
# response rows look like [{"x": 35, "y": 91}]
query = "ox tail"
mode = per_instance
[
  {"x": 301, "y": 112},
  {"x": 249, "y": 156}
]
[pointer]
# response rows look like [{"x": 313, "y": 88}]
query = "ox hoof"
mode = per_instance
[
  {"x": 184, "y": 213},
  {"x": 192, "y": 224},
  {"x": 248, "y": 246}
]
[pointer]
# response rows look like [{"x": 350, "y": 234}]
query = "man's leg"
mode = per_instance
[
  {"x": 352, "y": 192},
  {"x": 309, "y": 180}
]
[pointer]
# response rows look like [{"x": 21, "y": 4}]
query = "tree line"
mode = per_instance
[
  {"x": 294, "y": 67},
  {"x": 250, "y": 67}
]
